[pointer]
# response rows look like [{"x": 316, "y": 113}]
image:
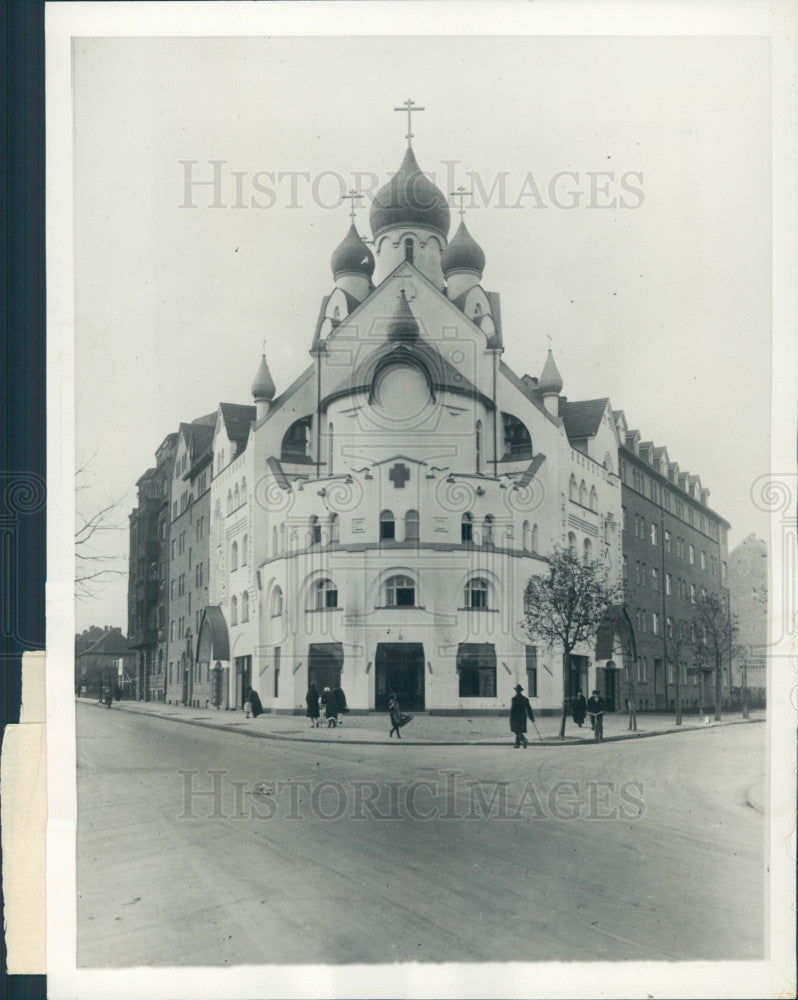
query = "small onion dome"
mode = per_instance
[
  {"x": 263, "y": 387},
  {"x": 403, "y": 326},
  {"x": 352, "y": 255},
  {"x": 409, "y": 199},
  {"x": 550, "y": 379},
  {"x": 463, "y": 253}
]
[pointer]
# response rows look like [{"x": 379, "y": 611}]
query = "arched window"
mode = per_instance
[
  {"x": 476, "y": 593},
  {"x": 234, "y": 556},
  {"x": 243, "y": 489},
  {"x": 593, "y": 498},
  {"x": 387, "y": 526},
  {"x": 229, "y": 501},
  {"x": 466, "y": 528},
  {"x": 400, "y": 592},
  {"x": 315, "y": 531},
  {"x": 534, "y": 542},
  {"x": 234, "y": 611},
  {"x": 409, "y": 250},
  {"x": 244, "y": 547},
  {"x": 527, "y": 535},
  {"x": 334, "y": 528},
  {"x": 583, "y": 494},
  {"x": 411, "y": 526},
  {"x": 487, "y": 530},
  {"x": 572, "y": 541},
  {"x": 324, "y": 595},
  {"x": 282, "y": 538},
  {"x": 276, "y": 603},
  {"x": 478, "y": 445},
  {"x": 587, "y": 551},
  {"x": 572, "y": 492},
  {"x": 245, "y": 606},
  {"x": 329, "y": 449},
  {"x": 236, "y": 498}
]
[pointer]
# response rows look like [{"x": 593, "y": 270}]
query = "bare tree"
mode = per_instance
[
  {"x": 566, "y": 607},
  {"x": 676, "y": 649},
  {"x": 95, "y": 569},
  {"x": 713, "y": 639}
]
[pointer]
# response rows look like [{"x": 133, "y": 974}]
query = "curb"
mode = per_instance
[{"x": 227, "y": 728}]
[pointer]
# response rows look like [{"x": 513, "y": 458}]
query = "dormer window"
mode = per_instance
[{"x": 409, "y": 250}]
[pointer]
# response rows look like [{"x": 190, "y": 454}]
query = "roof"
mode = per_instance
[
  {"x": 110, "y": 643},
  {"x": 409, "y": 198},
  {"x": 583, "y": 417},
  {"x": 237, "y": 420}
]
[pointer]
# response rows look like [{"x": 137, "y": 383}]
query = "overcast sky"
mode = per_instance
[{"x": 663, "y": 305}]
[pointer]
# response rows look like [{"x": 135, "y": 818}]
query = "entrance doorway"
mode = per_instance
[
  {"x": 243, "y": 680},
  {"x": 400, "y": 670},
  {"x": 577, "y": 676},
  {"x": 607, "y": 683},
  {"x": 325, "y": 661}
]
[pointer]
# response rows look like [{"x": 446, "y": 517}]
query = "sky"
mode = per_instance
[{"x": 648, "y": 264}]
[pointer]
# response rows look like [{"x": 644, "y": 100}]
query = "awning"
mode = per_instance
[
  {"x": 214, "y": 641},
  {"x": 326, "y": 654},
  {"x": 476, "y": 654}
]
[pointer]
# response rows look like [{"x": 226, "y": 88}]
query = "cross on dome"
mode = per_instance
[
  {"x": 409, "y": 107},
  {"x": 352, "y": 197},
  {"x": 462, "y": 194}
]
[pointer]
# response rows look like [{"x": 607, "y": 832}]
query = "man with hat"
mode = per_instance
[{"x": 520, "y": 711}]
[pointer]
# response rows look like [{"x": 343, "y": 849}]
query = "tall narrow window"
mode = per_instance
[
  {"x": 330, "y": 449},
  {"x": 466, "y": 526},
  {"x": 587, "y": 551},
  {"x": 409, "y": 250},
  {"x": 411, "y": 526},
  {"x": 245, "y": 606},
  {"x": 334, "y": 528},
  {"x": 583, "y": 494},
  {"x": 478, "y": 445},
  {"x": 487, "y": 530},
  {"x": 573, "y": 493},
  {"x": 534, "y": 542},
  {"x": 276, "y": 602},
  {"x": 234, "y": 556},
  {"x": 244, "y": 547},
  {"x": 234, "y": 611},
  {"x": 527, "y": 537},
  {"x": 277, "y": 652},
  {"x": 387, "y": 526},
  {"x": 315, "y": 531},
  {"x": 593, "y": 498},
  {"x": 572, "y": 541}
]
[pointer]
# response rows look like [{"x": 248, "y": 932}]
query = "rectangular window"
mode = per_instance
[
  {"x": 692, "y": 555},
  {"x": 532, "y": 671},
  {"x": 172, "y": 630},
  {"x": 626, "y": 567},
  {"x": 692, "y": 593},
  {"x": 174, "y": 547},
  {"x": 703, "y": 557},
  {"x": 669, "y": 627},
  {"x": 667, "y": 541},
  {"x": 172, "y": 589},
  {"x": 189, "y": 602},
  {"x": 643, "y": 575},
  {"x": 723, "y": 571},
  {"x": 190, "y": 555},
  {"x": 277, "y": 652},
  {"x": 654, "y": 578},
  {"x": 637, "y": 525},
  {"x": 654, "y": 534},
  {"x": 668, "y": 584},
  {"x": 476, "y": 668},
  {"x": 670, "y": 672},
  {"x": 623, "y": 514},
  {"x": 655, "y": 623}
]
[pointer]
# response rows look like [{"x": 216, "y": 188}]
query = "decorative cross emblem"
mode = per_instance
[
  {"x": 409, "y": 106},
  {"x": 399, "y": 475},
  {"x": 462, "y": 194},
  {"x": 352, "y": 196}
]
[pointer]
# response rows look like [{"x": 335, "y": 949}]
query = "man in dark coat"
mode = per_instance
[
  {"x": 255, "y": 702},
  {"x": 596, "y": 706},
  {"x": 579, "y": 709},
  {"x": 520, "y": 711},
  {"x": 340, "y": 702},
  {"x": 312, "y": 701}
]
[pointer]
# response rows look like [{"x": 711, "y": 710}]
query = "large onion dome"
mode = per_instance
[
  {"x": 550, "y": 379},
  {"x": 463, "y": 253},
  {"x": 263, "y": 387},
  {"x": 403, "y": 327},
  {"x": 352, "y": 256},
  {"x": 409, "y": 199}
]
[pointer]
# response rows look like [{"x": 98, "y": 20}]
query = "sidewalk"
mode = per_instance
[{"x": 459, "y": 730}]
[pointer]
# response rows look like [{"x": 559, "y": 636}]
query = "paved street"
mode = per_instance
[{"x": 648, "y": 852}]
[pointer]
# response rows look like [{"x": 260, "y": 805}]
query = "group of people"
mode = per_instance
[
  {"x": 594, "y": 706},
  {"x": 521, "y": 710},
  {"x": 333, "y": 701}
]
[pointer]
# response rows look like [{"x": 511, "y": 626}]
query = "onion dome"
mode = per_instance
[
  {"x": 463, "y": 253},
  {"x": 403, "y": 327},
  {"x": 263, "y": 387},
  {"x": 352, "y": 255},
  {"x": 409, "y": 199},
  {"x": 550, "y": 379}
]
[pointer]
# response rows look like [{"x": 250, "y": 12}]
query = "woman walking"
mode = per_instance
[
  {"x": 330, "y": 708},
  {"x": 312, "y": 701},
  {"x": 520, "y": 711},
  {"x": 396, "y": 716},
  {"x": 340, "y": 701}
]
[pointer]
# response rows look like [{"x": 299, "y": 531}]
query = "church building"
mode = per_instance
[{"x": 375, "y": 522}]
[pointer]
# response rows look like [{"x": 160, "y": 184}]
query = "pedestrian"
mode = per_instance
[
  {"x": 254, "y": 700},
  {"x": 396, "y": 716},
  {"x": 312, "y": 701},
  {"x": 579, "y": 709},
  {"x": 330, "y": 708},
  {"x": 247, "y": 708},
  {"x": 340, "y": 702},
  {"x": 520, "y": 711},
  {"x": 107, "y": 697},
  {"x": 595, "y": 706}
]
